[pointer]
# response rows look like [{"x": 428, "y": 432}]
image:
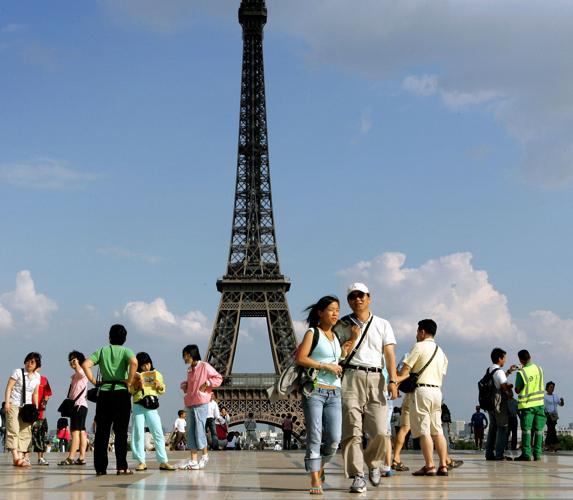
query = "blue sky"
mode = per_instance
[{"x": 422, "y": 147}]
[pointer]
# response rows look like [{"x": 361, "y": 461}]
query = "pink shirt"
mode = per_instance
[
  {"x": 79, "y": 386},
  {"x": 196, "y": 376}
]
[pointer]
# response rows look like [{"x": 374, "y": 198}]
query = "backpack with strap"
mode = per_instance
[
  {"x": 294, "y": 378},
  {"x": 487, "y": 390}
]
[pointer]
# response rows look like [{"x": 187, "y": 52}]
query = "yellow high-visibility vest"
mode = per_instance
[{"x": 533, "y": 392}]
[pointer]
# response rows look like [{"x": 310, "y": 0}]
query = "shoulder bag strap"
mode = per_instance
[
  {"x": 430, "y": 360},
  {"x": 23, "y": 388},
  {"x": 357, "y": 346}
]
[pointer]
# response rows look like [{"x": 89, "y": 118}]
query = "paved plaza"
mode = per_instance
[{"x": 272, "y": 475}]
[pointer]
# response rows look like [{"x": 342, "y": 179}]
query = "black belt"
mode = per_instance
[
  {"x": 426, "y": 385},
  {"x": 363, "y": 368}
]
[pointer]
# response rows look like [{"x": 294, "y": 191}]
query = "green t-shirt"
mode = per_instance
[{"x": 113, "y": 361}]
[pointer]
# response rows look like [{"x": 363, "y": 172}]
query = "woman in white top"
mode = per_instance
[
  {"x": 552, "y": 401},
  {"x": 322, "y": 406},
  {"x": 19, "y": 433}
]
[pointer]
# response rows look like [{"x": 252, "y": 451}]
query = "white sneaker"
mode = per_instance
[
  {"x": 189, "y": 465},
  {"x": 197, "y": 465},
  {"x": 205, "y": 458}
]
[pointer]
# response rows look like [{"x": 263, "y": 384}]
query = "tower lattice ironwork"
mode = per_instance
[{"x": 253, "y": 285}]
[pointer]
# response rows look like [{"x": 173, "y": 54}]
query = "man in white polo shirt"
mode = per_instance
[
  {"x": 364, "y": 388},
  {"x": 426, "y": 400}
]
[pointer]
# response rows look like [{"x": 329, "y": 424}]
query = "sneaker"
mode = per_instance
[
  {"x": 387, "y": 473},
  {"x": 522, "y": 458},
  {"x": 197, "y": 465},
  {"x": 358, "y": 484},
  {"x": 374, "y": 476},
  {"x": 205, "y": 458},
  {"x": 166, "y": 466},
  {"x": 140, "y": 467},
  {"x": 189, "y": 465},
  {"x": 42, "y": 461}
]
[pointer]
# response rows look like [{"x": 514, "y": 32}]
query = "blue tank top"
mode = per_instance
[{"x": 326, "y": 352}]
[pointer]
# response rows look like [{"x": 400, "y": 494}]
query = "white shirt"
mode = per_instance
[
  {"x": 371, "y": 350},
  {"x": 499, "y": 377},
  {"x": 213, "y": 410},
  {"x": 32, "y": 381},
  {"x": 551, "y": 402},
  {"x": 180, "y": 425}
]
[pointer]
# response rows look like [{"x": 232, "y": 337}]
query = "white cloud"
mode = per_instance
[
  {"x": 423, "y": 85},
  {"x": 43, "y": 174},
  {"x": 25, "y": 305},
  {"x": 548, "y": 329},
  {"x": 155, "y": 319},
  {"x": 6, "y": 321},
  {"x": 449, "y": 289},
  {"x": 515, "y": 60},
  {"x": 124, "y": 253}
]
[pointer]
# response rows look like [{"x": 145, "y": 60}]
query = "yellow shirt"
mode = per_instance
[
  {"x": 420, "y": 354},
  {"x": 148, "y": 388}
]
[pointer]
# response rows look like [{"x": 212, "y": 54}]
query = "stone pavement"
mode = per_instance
[{"x": 272, "y": 475}]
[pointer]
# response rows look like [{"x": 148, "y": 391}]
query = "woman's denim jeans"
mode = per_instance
[
  {"x": 323, "y": 420},
  {"x": 196, "y": 419}
]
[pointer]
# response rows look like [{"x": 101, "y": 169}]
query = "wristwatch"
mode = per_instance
[{"x": 391, "y": 382}]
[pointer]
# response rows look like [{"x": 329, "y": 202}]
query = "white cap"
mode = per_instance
[{"x": 357, "y": 287}]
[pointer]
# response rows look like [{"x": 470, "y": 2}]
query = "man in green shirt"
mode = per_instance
[
  {"x": 530, "y": 391},
  {"x": 117, "y": 367}
]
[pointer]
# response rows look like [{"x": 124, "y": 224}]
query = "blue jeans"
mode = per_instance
[
  {"x": 497, "y": 434},
  {"x": 142, "y": 417},
  {"x": 196, "y": 420},
  {"x": 323, "y": 421}
]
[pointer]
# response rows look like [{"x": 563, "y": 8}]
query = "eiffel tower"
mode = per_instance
[{"x": 253, "y": 285}]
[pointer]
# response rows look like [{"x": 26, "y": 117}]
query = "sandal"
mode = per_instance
[
  {"x": 425, "y": 471},
  {"x": 316, "y": 490},
  {"x": 443, "y": 471},
  {"x": 20, "y": 462},
  {"x": 124, "y": 472},
  {"x": 399, "y": 466},
  {"x": 67, "y": 461},
  {"x": 79, "y": 461}
]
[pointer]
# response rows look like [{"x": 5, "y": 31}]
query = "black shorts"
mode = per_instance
[{"x": 78, "y": 418}]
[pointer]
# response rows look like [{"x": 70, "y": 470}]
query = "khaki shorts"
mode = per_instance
[
  {"x": 405, "y": 412},
  {"x": 426, "y": 412}
]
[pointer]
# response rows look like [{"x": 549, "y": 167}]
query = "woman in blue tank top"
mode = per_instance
[{"x": 322, "y": 408}]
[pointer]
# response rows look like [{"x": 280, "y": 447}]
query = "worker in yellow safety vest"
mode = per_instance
[{"x": 530, "y": 391}]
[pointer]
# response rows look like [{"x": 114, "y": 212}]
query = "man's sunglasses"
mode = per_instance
[{"x": 356, "y": 295}]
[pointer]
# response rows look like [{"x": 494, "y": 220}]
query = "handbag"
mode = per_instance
[
  {"x": 410, "y": 384},
  {"x": 28, "y": 413},
  {"x": 93, "y": 393},
  {"x": 66, "y": 409},
  {"x": 149, "y": 402}
]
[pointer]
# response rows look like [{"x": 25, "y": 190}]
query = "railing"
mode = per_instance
[{"x": 255, "y": 380}]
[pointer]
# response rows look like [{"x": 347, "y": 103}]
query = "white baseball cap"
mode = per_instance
[{"x": 357, "y": 287}]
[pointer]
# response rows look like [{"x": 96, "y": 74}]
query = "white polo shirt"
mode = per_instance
[{"x": 371, "y": 350}]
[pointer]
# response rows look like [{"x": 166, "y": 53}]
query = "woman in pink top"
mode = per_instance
[
  {"x": 78, "y": 392},
  {"x": 201, "y": 378}
]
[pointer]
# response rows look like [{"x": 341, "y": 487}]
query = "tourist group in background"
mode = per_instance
[{"x": 354, "y": 380}]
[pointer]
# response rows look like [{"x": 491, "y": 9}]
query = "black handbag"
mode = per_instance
[
  {"x": 66, "y": 409},
  {"x": 410, "y": 384},
  {"x": 149, "y": 402},
  {"x": 93, "y": 393},
  {"x": 28, "y": 413}
]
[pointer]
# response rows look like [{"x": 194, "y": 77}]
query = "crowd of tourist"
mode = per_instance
[{"x": 348, "y": 402}]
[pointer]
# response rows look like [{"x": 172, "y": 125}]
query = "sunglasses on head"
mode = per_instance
[{"x": 356, "y": 295}]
